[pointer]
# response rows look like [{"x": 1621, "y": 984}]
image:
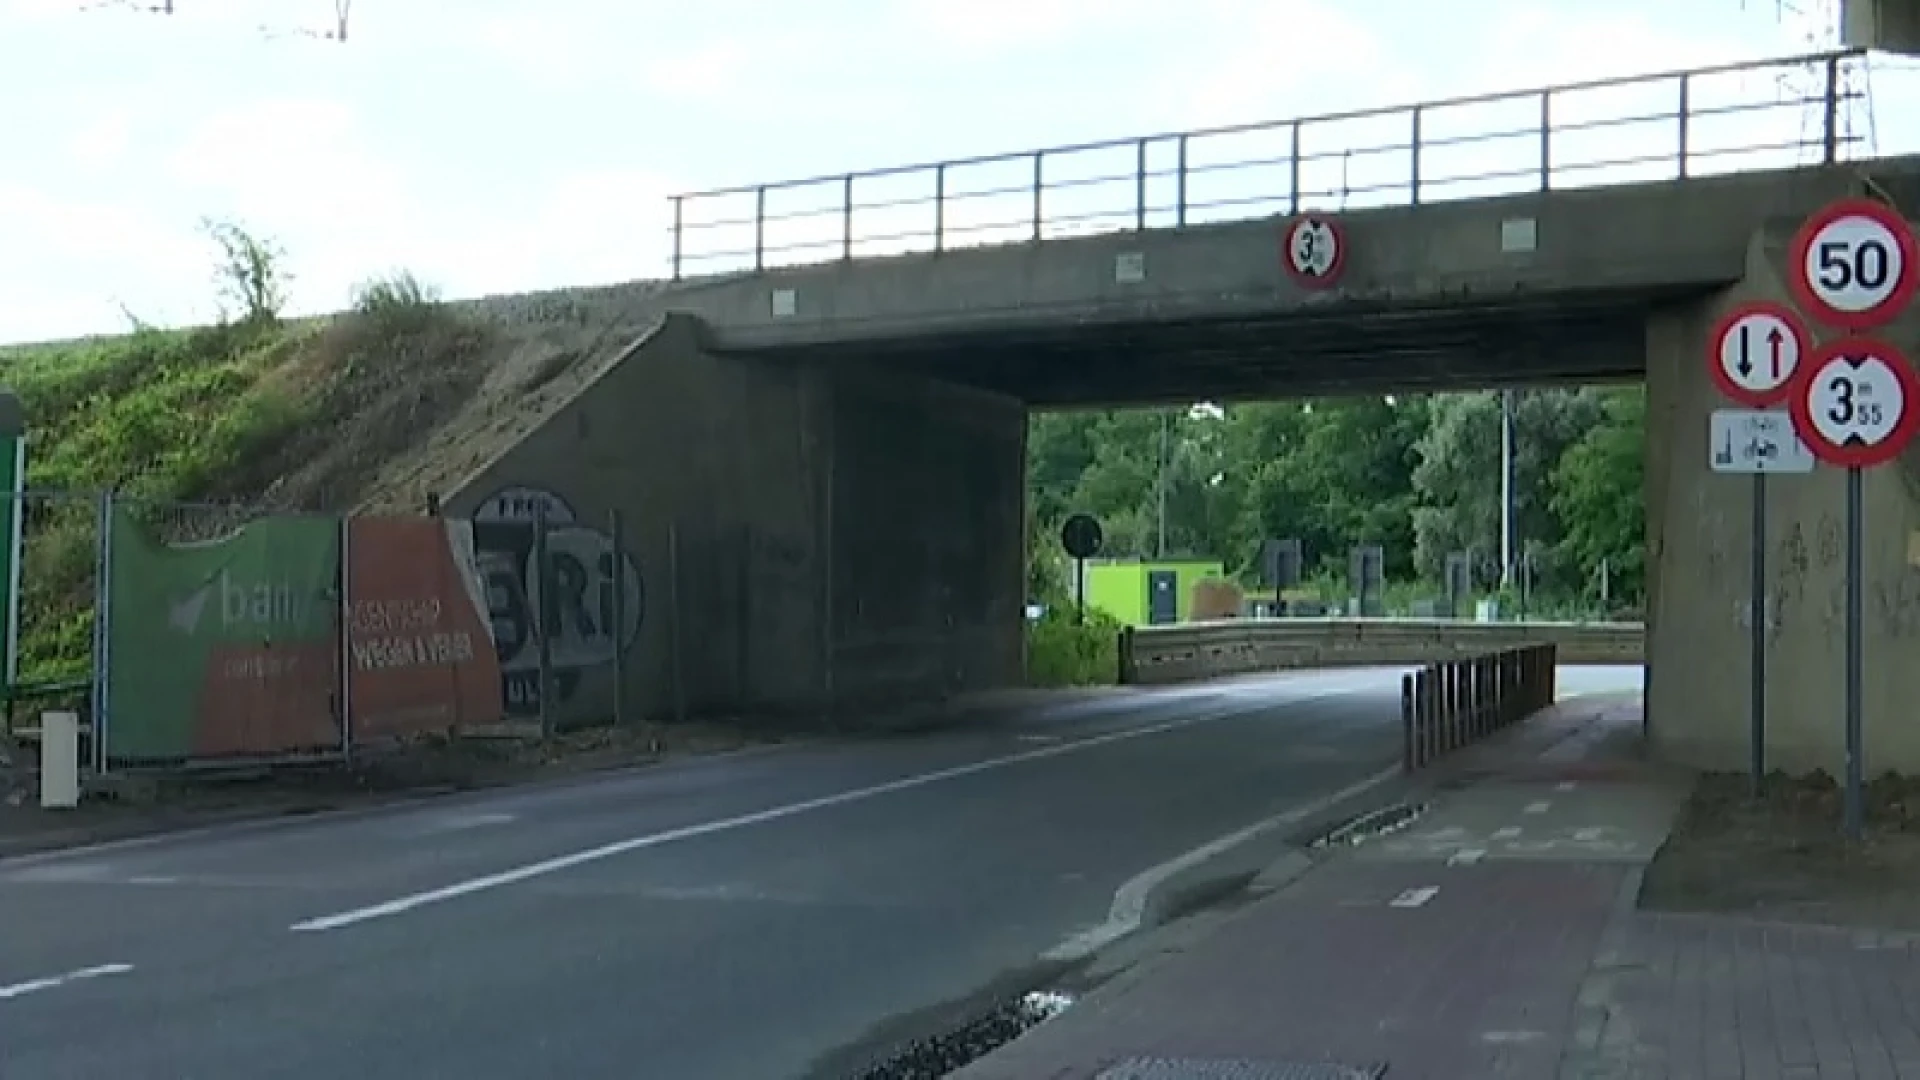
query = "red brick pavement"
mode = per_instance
[{"x": 1478, "y": 983}]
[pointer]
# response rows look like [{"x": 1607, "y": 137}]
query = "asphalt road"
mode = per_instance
[{"x": 735, "y": 917}]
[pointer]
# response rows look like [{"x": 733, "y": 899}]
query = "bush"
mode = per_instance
[{"x": 1061, "y": 653}]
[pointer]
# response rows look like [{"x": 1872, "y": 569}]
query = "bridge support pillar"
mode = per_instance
[{"x": 1698, "y": 543}]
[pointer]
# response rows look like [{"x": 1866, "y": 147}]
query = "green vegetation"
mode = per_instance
[
  {"x": 255, "y": 410},
  {"x": 1064, "y": 652},
  {"x": 1418, "y": 475}
]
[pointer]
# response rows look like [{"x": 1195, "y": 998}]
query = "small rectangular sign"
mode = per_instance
[{"x": 1755, "y": 441}]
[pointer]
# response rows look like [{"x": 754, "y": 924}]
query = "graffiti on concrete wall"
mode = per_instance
[{"x": 581, "y": 568}]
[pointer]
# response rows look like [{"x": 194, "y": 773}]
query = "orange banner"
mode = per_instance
[{"x": 422, "y": 651}]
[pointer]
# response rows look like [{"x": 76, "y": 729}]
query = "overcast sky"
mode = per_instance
[{"x": 499, "y": 145}]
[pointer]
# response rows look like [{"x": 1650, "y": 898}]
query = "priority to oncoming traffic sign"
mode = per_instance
[
  {"x": 1854, "y": 264},
  {"x": 1858, "y": 403},
  {"x": 1755, "y": 350}
]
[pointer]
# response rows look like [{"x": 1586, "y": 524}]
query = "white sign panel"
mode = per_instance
[
  {"x": 1313, "y": 247},
  {"x": 1758, "y": 352},
  {"x": 1856, "y": 401},
  {"x": 1854, "y": 264},
  {"x": 1755, "y": 441}
]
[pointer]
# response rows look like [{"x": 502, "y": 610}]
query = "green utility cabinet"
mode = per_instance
[{"x": 1147, "y": 593}]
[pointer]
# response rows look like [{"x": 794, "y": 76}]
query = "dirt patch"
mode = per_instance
[
  {"x": 140, "y": 805},
  {"x": 1782, "y": 856}
]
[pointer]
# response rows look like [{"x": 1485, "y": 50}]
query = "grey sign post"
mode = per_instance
[
  {"x": 1854, "y": 265},
  {"x": 1756, "y": 442},
  {"x": 1857, "y": 409}
]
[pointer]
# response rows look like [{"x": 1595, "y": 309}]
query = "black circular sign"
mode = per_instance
[{"x": 1080, "y": 535}]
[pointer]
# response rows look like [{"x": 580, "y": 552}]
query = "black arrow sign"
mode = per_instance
[
  {"x": 1775, "y": 339},
  {"x": 1745, "y": 366}
]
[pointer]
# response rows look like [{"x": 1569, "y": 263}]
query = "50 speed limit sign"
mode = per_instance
[
  {"x": 1854, "y": 264},
  {"x": 1314, "y": 249},
  {"x": 1857, "y": 403}
]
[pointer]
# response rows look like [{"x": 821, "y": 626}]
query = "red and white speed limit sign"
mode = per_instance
[
  {"x": 1854, "y": 265},
  {"x": 1856, "y": 403},
  {"x": 1314, "y": 249}
]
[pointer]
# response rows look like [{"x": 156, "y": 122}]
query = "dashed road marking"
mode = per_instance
[
  {"x": 1466, "y": 856},
  {"x": 1416, "y": 897},
  {"x": 54, "y": 982},
  {"x": 1537, "y": 807},
  {"x": 1565, "y": 785},
  {"x": 1508, "y": 833}
]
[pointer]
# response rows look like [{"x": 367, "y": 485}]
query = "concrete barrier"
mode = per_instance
[{"x": 1166, "y": 654}]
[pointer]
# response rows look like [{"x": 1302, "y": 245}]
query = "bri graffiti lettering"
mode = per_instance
[{"x": 579, "y": 618}]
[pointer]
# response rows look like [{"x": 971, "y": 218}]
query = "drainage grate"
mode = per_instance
[{"x": 1236, "y": 1069}]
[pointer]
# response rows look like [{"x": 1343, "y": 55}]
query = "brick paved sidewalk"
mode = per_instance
[
  {"x": 1475, "y": 982},
  {"x": 1526, "y": 960}
]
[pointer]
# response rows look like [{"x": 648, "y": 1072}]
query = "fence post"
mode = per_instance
[
  {"x": 1039, "y": 185},
  {"x": 846, "y": 218},
  {"x": 673, "y": 623},
  {"x": 1180, "y": 185},
  {"x": 1830, "y": 135},
  {"x": 616, "y": 537},
  {"x": 1686, "y": 118},
  {"x": 542, "y": 605},
  {"x": 759, "y": 229},
  {"x": 939, "y": 208},
  {"x": 1293, "y": 170},
  {"x": 1406, "y": 725},
  {"x": 103, "y": 636},
  {"x": 679, "y": 208},
  {"x": 1546, "y": 140},
  {"x": 343, "y": 612},
  {"x": 1140, "y": 186},
  {"x": 1413, "y": 152}
]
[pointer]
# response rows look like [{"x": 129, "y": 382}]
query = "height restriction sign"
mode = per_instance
[
  {"x": 1858, "y": 403},
  {"x": 1854, "y": 264}
]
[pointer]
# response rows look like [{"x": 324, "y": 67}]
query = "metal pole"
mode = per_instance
[
  {"x": 759, "y": 229},
  {"x": 673, "y": 612},
  {"x": 1293, "y": 170},
  {"x": 1546, "y": 140},
  {"x": 344, "y": 613},
  {"x": 1830, "y": 137},
  {"x": 1160, "y": 495},
  {"x": 1686, "y": 114},
  {"x": 103, "y": 638},
  {"x": 1506, "y": 489},
  {"x": 1140, "y": 186},
  {"x": 1757, "y": 699},
  {"x": 1180, "y": 185},
  {"x": 679, "y": 208},
  {"x": 542, "y": 625},
  {"x": 1039, "y": 185},
  {"x": 617, "y": 539},
  {"x": 846, "y": 218},
  {"x": 1079, "y": 591},
  {"x": 1854, "y": 810},
  {"x": 939, "y": 208},
  {"x": 1414, "y": 155}
]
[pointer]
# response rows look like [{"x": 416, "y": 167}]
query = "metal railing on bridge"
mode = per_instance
[{"x": 1669, "y": 125}]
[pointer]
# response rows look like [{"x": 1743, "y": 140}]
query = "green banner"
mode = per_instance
[{"x": 222, "y": 648}]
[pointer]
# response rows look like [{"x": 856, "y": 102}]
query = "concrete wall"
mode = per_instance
[
  {"x": 1888, "y": 25},
  {"x": 1699, "y": 525},
  {"x": 760, "y": 504},
  {"x": 1637, "y": 237}
]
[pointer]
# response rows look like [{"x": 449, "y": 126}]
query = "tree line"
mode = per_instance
[{"x": 1419, "y": 475}]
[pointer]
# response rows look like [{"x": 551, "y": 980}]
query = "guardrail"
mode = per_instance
[
  {"x": 1444, "y": 707},
  {"x": 1205, "y": 650},
  {"x": 1635, "y": 129}
]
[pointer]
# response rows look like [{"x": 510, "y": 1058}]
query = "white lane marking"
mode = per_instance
[
  {"x": 34, "y": 986},
  {"x": 1537, "y": 808},
  {"x": 1416, "y": 897},
  {"x": 1129, "y": 907},
  {"x": 1588, "y": 835},
  {"x": 1565, "y": 785},
  {"x": 1448, "y": 833},
  {"x": 1466, "y": 856},
  {"x": 1507, "y": 833},
  {"x": 568, "y": 861}
]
